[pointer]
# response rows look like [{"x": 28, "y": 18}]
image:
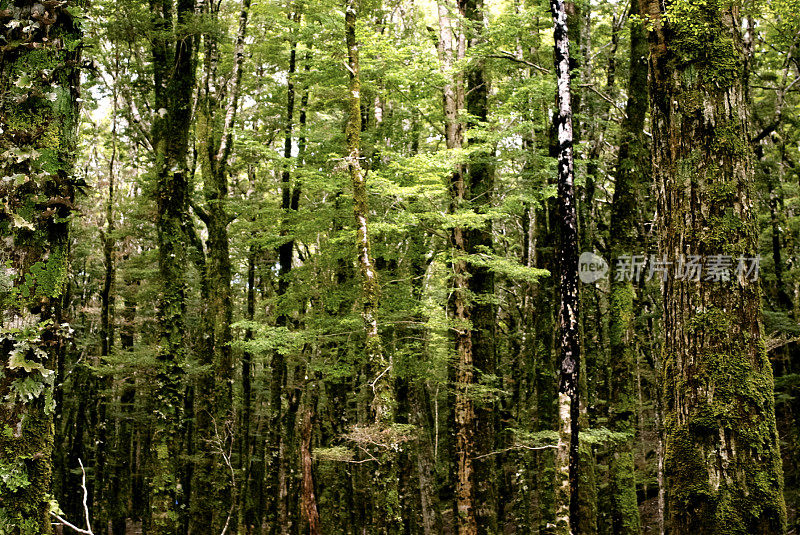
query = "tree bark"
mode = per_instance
[
  {"x": 567, "y": 454},
  {"x": 379, "y": 370},
  {"x": 722, "y": 461},
  {"x": 479, "y": 183},
  {"x": 631, "y": 164},
  {"x": 174, "y": 79},
  {"x": 35, "y": 209},
  {"x": 307, "y": 468},
  {"x": 214, "y": 129}
]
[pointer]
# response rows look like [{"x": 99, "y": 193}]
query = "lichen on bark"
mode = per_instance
[{"x": 38, "y": 115}]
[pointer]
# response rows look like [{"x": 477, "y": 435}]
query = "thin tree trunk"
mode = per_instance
[
  {"x": 379, "y": 370},
  {"x": 307, "y": 467},
  {"x": 245, "y": 425},
  {"x": 107, "y": 301},
  {"x": 567, "y": 455},
  {"x": 631, "y": 164}
]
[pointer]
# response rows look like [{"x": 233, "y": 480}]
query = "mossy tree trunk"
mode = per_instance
[
  {"x": 479, "y": 183},
  {"x": 722, "y": 461},
  {"x": 380, "y": 374},
  {"x": 215, "y": 420},
  {"x": 38, "y": 118},
  {"x": 631, "y": 164},
  {"x": 173, "y": 55}
]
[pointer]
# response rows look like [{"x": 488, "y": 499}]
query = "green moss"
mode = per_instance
[
  {"x": 730, "y": 140},
  {"x": 703, "y": 46}
]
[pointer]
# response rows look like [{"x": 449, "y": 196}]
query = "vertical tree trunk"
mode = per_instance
[
  {"x": 722, "y": 461},
  {"x": 479, "y": 183},
  {"x": 107, "y": 302},
  {"x": 631, "y": 164},
  {"x": 379, "y": 368},
  {"x": 245, "y": 515},
  {"x": 285, "y": 255},
  {"x": 568, "y": 403},
  {"x": 38, "y": 119},
  {"x": 307, "y": 466},
  {"x": 452, "y": 49},
  {"x": 174, "y": 77},
  {"x": 214, "y": 400}
]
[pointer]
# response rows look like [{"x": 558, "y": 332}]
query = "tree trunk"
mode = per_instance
[
  {"x": 722, "y": 461},
  {"x": 379, "y": 372},
  {"x": 567, "y": 455},
  {"x": 307, "y": 468},
  {"x": 174, "y": 77},
  {"x": 452, "y": 49},
  {"x": 215, "y": 401},
  {"x": 479, "y": 184},
  {"x": 631, "y": 164},
  {"x": 34, "y": 212}
]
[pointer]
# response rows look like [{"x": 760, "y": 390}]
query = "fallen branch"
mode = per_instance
[{"x": 88, "y": 530}]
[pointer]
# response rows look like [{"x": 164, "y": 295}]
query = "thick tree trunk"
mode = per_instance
[
  {"x": 722, "y": 461},
  {"x": 34, "y": 213},
  {"x": 215, "y": 387},
  {"x": 567, "y": 455},
  {"x": 174, "y": 77}
]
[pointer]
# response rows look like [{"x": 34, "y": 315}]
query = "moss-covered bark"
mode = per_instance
[
  {"x": 39, "y": 63},
  {"x": 387, "y": 519},
  {"x": 631, "y": 164},
  {"x": 214, "y": 401},
  {"x": 479, "y": 185},
  {"x": 174, "y": 79},
  {"x": 722, "y": 460}
]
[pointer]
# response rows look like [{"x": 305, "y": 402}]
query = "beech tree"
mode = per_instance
[
  {"x": 722, "y": 460},
  {"x": 316, "y": 267},
  {"x": 39, "y": 81}
]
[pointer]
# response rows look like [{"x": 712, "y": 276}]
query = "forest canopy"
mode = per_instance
[{"x": 399, "y": 267}]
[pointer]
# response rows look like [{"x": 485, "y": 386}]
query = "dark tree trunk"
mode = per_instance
[
  {"x": 567, "y": 455},
  {"x": 479, "y": 183},
  {"x": 631, "y": 165},
  {"x": 174, "y": 79}
]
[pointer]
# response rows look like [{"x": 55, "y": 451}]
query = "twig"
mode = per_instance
[
  {"x": 88, "y": 530},
  {"x": 219, "y": 443},
  {"x": 516, "y": 447},
  {"x": 65, "y": 523},
  {"x": 604, "y": 97},
  {"x": 509, "y": 56},
  {"x": 378, "y": 378},
  {"x": 85, "y": 495}
]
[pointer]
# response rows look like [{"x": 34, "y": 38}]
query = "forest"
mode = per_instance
[{"x": 399, "y": 267}]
